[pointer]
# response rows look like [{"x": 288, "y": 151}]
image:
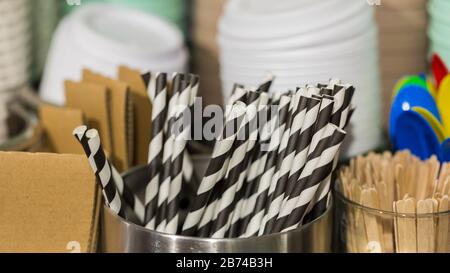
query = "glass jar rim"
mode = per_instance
[{"x": 342, "y": 197}]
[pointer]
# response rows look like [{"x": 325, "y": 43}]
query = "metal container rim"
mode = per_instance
[{"x": 219, "y": 240}]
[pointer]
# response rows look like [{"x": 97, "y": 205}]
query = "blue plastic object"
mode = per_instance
[
  {"x": 445, "y": 150},
  {"x": 415, "y": 134},
  {"x": 408, "y": 97}
]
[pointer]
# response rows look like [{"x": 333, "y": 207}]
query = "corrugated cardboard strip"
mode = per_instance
[
  {"x": 121, "y": 121},
  {"x": 142, "y": 112},
  {"x": 48, "y": 203},
  {"x": 58, "y": 124},
  {"x": 94, "y": 101}
]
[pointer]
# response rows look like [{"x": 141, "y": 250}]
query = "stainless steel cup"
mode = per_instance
[{"x": 119, "y": 235}]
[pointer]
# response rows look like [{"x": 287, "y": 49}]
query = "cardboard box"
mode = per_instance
[{"x": 48, "y": 203}]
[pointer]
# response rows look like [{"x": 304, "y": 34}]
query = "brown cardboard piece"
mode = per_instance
[
  {"x": 58, "y": 123},
  {"x": 142, "y": 113},
  {"x": 48, "y": 203},
  {"x": 94, "y": 101},
  {"x": 121, "y": 118}
]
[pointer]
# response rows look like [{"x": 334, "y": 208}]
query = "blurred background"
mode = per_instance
[{"x": 370, "y": 44}]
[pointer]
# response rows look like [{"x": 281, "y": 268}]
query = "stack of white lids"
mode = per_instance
[
  {"x": 102, "y": 37},
  {"x": 303, "y": 41}
]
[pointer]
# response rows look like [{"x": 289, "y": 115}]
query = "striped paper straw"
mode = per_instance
[
  {"x": 177, "y": 158},
  {"x": 165, "y": 179},
  {"x": 189, "y": 173},
  {"x": 302, "y": 147},
  {"x": 278, "y": 155},
  {"x": 216, "y": 170},
  {"x": 314, "y": 174},
  {"x": 158, "y": 95},
  {"x": 341, "y": 115},
  {"x": 229, "y": 187},
  {"x": 323, "y": 118},
  {"x": 257, "y": 99},
  {"x": 206, "y": 224},
  {"x": 275, "y": 189},
  {"x": 257, "y": 166},
  {"x": 256, "y": 155},
  {"x": 266, "y": 83},
  {"x": 237, "y": 94},
  {"x": 268, "y": 166},
  {"x": 287, "y": 160},
  {"x": 343, "y": 95},
  {"x": 90, "y": 142},
  {"x": 128, "y": 195},
  {"x": 226, "y": 193}
]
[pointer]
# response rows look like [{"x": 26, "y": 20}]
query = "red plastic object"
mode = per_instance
[{"x": 439, "y": 69}]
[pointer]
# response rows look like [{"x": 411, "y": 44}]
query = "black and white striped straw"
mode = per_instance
[
  {"x": 218, "y": 165},
  {"x": 314, "y": 174},
  {"x": 341, "y": 115},
  {"x": 266, "y": 83},
  {"x": 165, "y": 179},
  {"x": 254, "y": 156},
  {"x": 317, "y": 168},
  {"x": 90, "y": 141},
  {"x": 302, "y": 146},
  {"x": 158, "y": 95},
  {"x": 275, "y": 189},
  {"x": 237, "y": 94},
  {"x": 181, "y": 133},
  {"x": 255, "y": 99},
  {"x": 268, "y": 166},
  {"x": 188, "y": 167},
  {"x": 256, "y": 169},
  {"x": 223, "y": 207},
  {"x": 286, "y": 160}
]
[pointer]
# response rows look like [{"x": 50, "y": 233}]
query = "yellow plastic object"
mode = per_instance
[
  {"x": 443, "y": 102},
  {"x": 431, "y": 88},
  {"x": 434, "y": 123}
]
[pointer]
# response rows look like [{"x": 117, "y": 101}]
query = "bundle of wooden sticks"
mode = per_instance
[{"x": 405, "y": 203}]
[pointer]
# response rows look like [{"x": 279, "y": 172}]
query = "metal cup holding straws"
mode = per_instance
[{"x": 119, "y": 235}]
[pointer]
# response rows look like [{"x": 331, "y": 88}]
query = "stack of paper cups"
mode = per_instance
[
  {"x": 14, "y": 43},
  {"x": 304, "y": 41},
  {"x": 403, "y": 43},
  {"x": 439, "y": 28},
  {"x": 102, "y": 37},
  {"x": 14, "y": 53},
  {"x": 46, "y": 15},
  {"x": 205, "y": 51}
]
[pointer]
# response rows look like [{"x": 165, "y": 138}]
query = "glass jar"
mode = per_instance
[{"x": 361, "y": 229}]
